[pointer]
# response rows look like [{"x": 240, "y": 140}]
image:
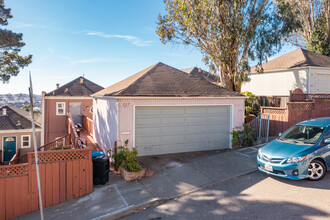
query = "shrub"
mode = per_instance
[
  {"x": 60, "y": 146},
  {"x": 252, "y": 104},
  {"x": 243, "y": 138},
  {"x": 126, "y": 158}
]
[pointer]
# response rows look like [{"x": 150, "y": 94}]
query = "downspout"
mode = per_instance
[
  {"x": 308, "y": 80},
  {"x": 42, "y": 136}
]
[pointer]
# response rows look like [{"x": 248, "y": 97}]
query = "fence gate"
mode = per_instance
[{"x": 260, "y": 126}]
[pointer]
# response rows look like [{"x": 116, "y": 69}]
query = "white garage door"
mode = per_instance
[
  {"x": 322, "y": 83},
  {"x": 163, "y": 130}
]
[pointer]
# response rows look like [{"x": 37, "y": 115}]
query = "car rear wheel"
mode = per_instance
[{"x": 316, "y": 170}]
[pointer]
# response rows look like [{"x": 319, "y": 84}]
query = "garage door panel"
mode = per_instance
[
  {"x": 147, "y": 121},
  {"x": 196, "y": 129},
  {"x": 217, "y": 127},
  {"x": 148, "y": 131},
  {"x": 173, "y": 120},
  {"x": 182, "y": 129},
  {"x": 216, "y": 119},
  {"x": 322, "y": 83},
  {"x": 148, "y": 150},
  {"x": 196, "y": 111},
  {"x": 195, "y": 120},
  {"x": 172, "y": 111},
  {"x": 173, "y": 130},
  {"x": 216, "y": 110},
  {"x": 147, "y": 140},
  {"x": 149, "y": 111}
]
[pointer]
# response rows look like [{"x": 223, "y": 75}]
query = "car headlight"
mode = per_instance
[
  {"x": 295, "y": 159},
  {"x": 259, "y": 152}
]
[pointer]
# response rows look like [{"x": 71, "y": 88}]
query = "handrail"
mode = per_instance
[
  {"x": 52, "y": 143},
  {"x": 72, "y": 129}
]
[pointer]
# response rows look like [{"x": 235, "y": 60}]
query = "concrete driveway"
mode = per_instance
[{"x": 252, "y": 196}]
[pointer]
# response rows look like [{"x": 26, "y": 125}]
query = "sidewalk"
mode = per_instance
[{"x": 175, "y": 175}]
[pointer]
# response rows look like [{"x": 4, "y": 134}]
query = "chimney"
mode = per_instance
[
  {"x": 81, "y": 80},
  {"x": 4, "y": 111},
  {"x": 57, "y": 85},
  {"x": 199, "y": 70}
]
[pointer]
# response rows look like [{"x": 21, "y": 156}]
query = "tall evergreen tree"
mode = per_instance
[{"x": 10, "y": 45}]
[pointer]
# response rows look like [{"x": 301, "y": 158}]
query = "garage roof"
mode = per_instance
[
  {"x": 161, "y": 80},
  {"x": 296, "y": 58},
  {"x": 16, "y": 118}
]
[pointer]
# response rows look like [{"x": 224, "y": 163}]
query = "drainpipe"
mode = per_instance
[{"x": 308, "y": 80}]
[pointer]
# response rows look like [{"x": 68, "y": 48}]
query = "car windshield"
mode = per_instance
[{"x": 305, "y": 134}]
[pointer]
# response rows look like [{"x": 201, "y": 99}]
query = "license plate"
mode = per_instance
[{"x": 268, "y": 167}]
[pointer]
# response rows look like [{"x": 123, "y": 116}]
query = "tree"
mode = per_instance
[
  {"x": 35, "y": 111},
  {"x": 10, "y": 45},
  {"x": 313, "y": 23},
  {"x": 228, "y": 33}
]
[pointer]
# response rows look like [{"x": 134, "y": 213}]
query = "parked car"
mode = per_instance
[{"x": 302, "y": 151}]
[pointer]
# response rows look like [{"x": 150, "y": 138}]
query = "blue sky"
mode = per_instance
[{"x": 106, "y": 40}]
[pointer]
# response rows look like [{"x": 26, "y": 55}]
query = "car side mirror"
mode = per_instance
[
  {"x": 327, "y": 141},
  {"x": 279, "y": 134}
]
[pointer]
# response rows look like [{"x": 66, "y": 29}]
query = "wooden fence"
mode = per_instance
[
  {"x": 87, "y": 124},
  {"x": 302, "y": 107},
  {"x": 64, "y": 175}
]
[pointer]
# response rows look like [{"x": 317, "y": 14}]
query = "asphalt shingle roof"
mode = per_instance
[
  {"x": 161, "y": 80},
  {"x": 15, "y": 115},
  {"x": 75, "y": 88},
  {"x": 296, "y": 58}
]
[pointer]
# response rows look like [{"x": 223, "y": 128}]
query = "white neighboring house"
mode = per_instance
[{"x": 300, "y": 68}]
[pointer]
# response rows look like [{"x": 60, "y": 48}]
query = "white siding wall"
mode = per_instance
[
  {"x": 105, "y": 122},
  {"x": 277, "y": 83},
  {"x": 319, "y": 80}
]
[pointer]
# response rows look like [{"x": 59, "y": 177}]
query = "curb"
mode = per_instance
[{"x": 156, "y": 201}]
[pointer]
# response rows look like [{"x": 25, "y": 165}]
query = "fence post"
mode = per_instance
[
  {"x": 260, "y": 121},
  {"x": 267, "y": 135}
]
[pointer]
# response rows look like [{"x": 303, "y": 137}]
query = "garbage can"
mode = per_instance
[{"x": 100, "y": 169}]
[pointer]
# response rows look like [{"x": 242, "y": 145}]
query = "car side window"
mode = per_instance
[{"x": 326, "y": 135}]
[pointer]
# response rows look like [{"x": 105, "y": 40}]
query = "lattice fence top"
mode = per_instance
[
  {"x": 274, "y": 111},
  {"x": 61, "y": 155},
  {"x": 300, "y": 106},
  {"x": 13, "y": 170}
]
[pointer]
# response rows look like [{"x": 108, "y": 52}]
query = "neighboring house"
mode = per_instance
[
  {"x": 73, "y": 97},
  {"x": 164, "y": 110},
  {"x": 301, "y": 68},
  {"x": 16, "y": 132}
]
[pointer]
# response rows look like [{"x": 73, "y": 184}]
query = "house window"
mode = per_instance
[
  {"x": 26, "y": 141},
  {"x": 60, "y": 108}
]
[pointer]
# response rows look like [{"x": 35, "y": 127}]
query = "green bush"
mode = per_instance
[
  {"x": 243, "y": 138},
  {"x": 252, "y": 104},
  {"x": 126, "y": 158}
]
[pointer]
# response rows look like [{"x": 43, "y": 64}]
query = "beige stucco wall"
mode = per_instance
[
  {"x": 126, "y": 108},
  {"x": 18, "y": 134},
  {"x": 277, "y": 83}
]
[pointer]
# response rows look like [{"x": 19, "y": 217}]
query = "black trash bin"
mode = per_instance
[{"x": 100, "y": 170}]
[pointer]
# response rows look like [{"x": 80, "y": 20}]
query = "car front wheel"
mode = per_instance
[{"x": 316, "y": 170}]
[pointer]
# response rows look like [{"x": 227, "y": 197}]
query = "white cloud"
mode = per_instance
[{"x": 131, "y": 39}]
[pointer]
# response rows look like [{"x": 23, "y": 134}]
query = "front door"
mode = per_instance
[
  {"x": 9, "y": 148},
  {"x": 75, "y": 110}
]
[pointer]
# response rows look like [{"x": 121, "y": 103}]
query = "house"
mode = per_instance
[
  {"x": 162, "y": 110},
  {"x": 300, "y": 68},
  {"x": 16, "y": 132},
  {"x": 73, "y": 97}
]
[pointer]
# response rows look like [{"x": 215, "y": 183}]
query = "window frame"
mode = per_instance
[
  {"x": 22, "y": 141},
  {"x": 57, "y": 108}
]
